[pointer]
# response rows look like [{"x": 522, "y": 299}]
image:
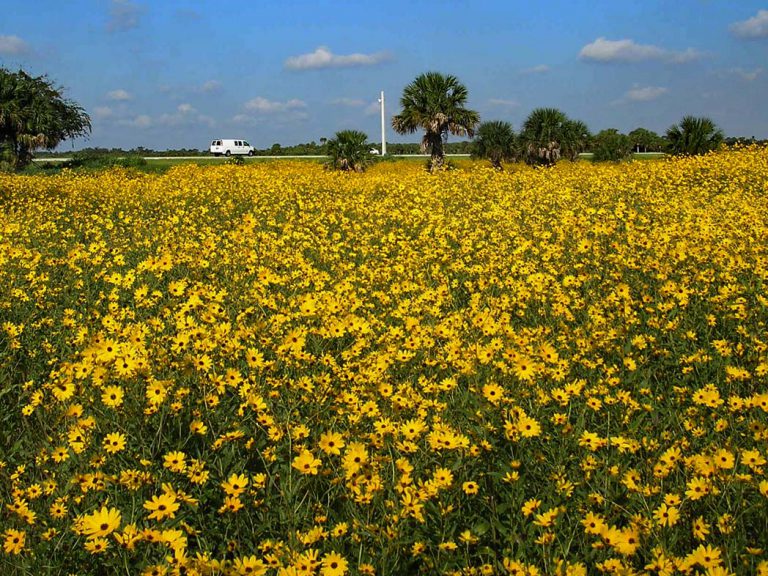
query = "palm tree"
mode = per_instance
[
  {"x": 435, "y": 103},
  {"x": 576, "y": 138},
  {"x": 542, "y": 135},
  {"x": 694, "y": 136},
  {"x": 548, "y": 134},
  {"x": 349, "y": 151},
  {"x": 34, "y": 114},
  {"x": 495, "y": 141}
]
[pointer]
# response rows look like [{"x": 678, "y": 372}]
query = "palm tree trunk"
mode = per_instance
[{"x": 437, "y": 162}]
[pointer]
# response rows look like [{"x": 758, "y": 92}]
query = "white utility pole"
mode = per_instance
[{"x": 383, "y": 127}]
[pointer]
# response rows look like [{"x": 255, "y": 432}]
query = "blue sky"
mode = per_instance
[{"x": 176, "y": 74}]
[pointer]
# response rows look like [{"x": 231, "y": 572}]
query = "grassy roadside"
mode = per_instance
[{"x": 160, "y": 165}]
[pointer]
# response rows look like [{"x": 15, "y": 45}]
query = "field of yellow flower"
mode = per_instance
[{"x": 275, "y": 369}]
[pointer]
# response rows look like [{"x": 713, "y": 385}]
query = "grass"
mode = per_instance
[{"x": 161, "y": 165}]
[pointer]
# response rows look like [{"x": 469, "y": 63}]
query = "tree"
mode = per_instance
[
  {"x": 435, "y": 103},
  {"x": 548, "y": 134},
  {"x": 694, "y": 136},
  {"x": 34, "y": 114},
  {"x": 576, "y": 138},
  {"x": 349, "y": 151},
  {"x": 495, "y": 141},
  {"x": 611, "y": 146},
  {"x": 644, "y": 140}
]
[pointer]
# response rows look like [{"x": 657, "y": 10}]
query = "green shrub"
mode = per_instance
[
  {"x": 611, "y": 146},
  {"x": 90, "y": 160}
]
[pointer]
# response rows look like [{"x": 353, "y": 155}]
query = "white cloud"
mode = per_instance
[
  {"x": 262, "y": 105},
  {"x": 755, "y": 27},
  {"x": 688, "y": 55},
  {"x": 185, "y": 115},
  {"x": 13, "y": 45},
  {"x": 645, "y": 93},
  {"x": 211, "y": 86},
  {"x": 604, "y": 50},
  {"x": 506, "y": 103},
  {"x": 373, "y": 108},
  {"x": 746, "y": 74},
  {"x": 351, "y": 102},
  {"x": 259, "y": 109},
  {"x": 140, "y": 121},
  {"x": 123, "y": 15},
  {"x": 102, "y": 112},
  {"x": 540, "y": 69},
  {"x": 119, "y": 95},
  {"x": 322, "y": 57}
]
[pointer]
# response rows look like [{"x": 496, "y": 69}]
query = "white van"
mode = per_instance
[{"x": 230, "y": 147}]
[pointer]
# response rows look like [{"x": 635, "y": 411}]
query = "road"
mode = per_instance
[{"x": 254, "y": 157}]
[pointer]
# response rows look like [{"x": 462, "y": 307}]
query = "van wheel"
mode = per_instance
[
  {"x": 226, "y": 153},
  {"x": 250, "y": 152}
]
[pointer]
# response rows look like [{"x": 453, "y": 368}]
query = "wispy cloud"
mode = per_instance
[
  {"x": 260, "y": 110},
  {"x": 755, "y": 27},
  {"x": 102, "y": 112},
  {"x": 350, "y": 102},
  {"x": 322, "y": 57},
  {"x": 747, "y": 75},
  {"x": 645, "y": 93},
  {"x": 185, "y": 115},
  {"x": 124, "y": 15},
  {"x": 604, "y": 50},
  {"x": 211, "y": 86},
  {"x": 262, "y": 105},
  {"x": 503, "y": 102},
  {"x": 540, "y": 69},
  {"x": 13, "y": 46},
  {"x": 373, "y": 109},
  {"x": 141, "y": 121},
  {"x": 119, "y": 95}
]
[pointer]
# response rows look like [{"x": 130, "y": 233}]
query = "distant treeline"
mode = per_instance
[
  {"x": 650, "y": 142},
  {"x": 307, "y": 149}
]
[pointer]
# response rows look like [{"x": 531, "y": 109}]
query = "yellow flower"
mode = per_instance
[
  {"x": 698, "y": 487},
  {"x": 666, "y": 515},
  {"x": 493, "y": 393},
  {"x": 112, "y": 396},
  {"x": 175, "y": 461},
  {"x": 700, "y": 528},
  {"x": 114, "y": 442},
  {"x": 470, "y": 488},
  {"x": 101, "y": 523},
  {"x": 13, "y": 541},
  {"x": 97, "y": 545},
  {"x": 331, "y": 443},
  {"x": 250, "y": 565},
  {"x": 163, "y": 506},
  {"x": 333, "y": 565},
  {"x": 528, "y": 427},
  {"x": 594, "y": 524},
  {"x": 235, "y": 485},
  {"x": 306, "y": 463}
]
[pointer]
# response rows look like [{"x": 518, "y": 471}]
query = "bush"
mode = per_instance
[
  {"x": 611, "y": 146},
  {"x": 90, "y": 160}
]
